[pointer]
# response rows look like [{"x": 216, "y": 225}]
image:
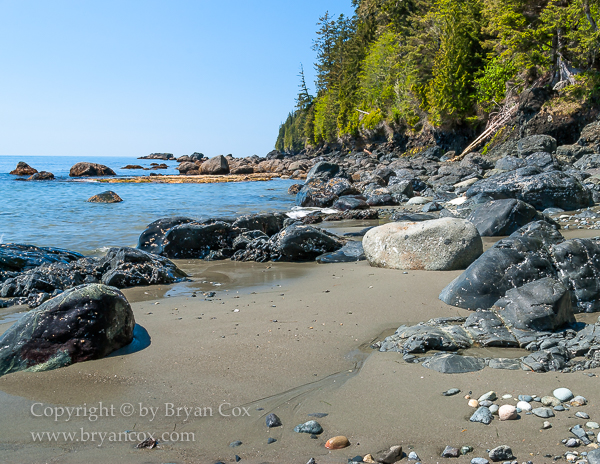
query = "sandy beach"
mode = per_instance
[{"x": 286, "y": 338}]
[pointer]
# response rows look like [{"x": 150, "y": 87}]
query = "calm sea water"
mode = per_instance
[{"x": 55, "y": 213}]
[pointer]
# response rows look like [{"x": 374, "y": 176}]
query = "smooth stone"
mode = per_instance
[
  {"x": 489, "y": 396},
  {"x": 271, "y": 440},
  {"x": 546, "y": 425},
  {"x": 486, "y": 403},
  {"x": 235, "y": 444},
  {"x": 507, "y": 412},
  {"x": 479, "y": 461},
  {"x": 592, "y": 425},
  {"x": 105, "y": 197},
  {"x": 572, "y": 443},
  {"x": 550, "y": 401},
  {"x": 578, "y": 401},
  {"x": 309, "y": 427},
  {"x": 413, "y": 456},
  {"x": 593, "y": 457},
  {"x": 507, "y": 396},
  {"x": 338, "y": 442},
  {"x": 451, "y": 392},
  {"x": 494, "y": 408},
  {"x": 559, "y": 408},
  {"x": 482, "y": 415},
  {"x": 524, "y": 406},
  {"x": 563, "y": 394},
  {"x": 273, "y": 420},
  {"x": 580, "y": 434},
  {"x": 582, "y": 415},
  {"x": 450, "y": 452},
  {"x": 544, "y": 413},
  {"x": 526, "y": 398},
  {"x": 419, "y": 201},
  {"x": 474, "y": 403},
  {"x": 501, "y": 453},
  {"x": 454, "y": 364},
  {"x": 465, "y": 449},
  {"x": 389, "y": 456}
]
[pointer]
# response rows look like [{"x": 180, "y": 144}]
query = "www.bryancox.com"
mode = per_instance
[
  {"x": 140, "y": 410},
  {"x": 81, "y": 436}
]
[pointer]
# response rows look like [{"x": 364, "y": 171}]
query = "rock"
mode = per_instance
[
  {"x": 83, "y": 323},
  {"x": 19, "y": 258},
  {"x": 235, "y": 444},
  {"x": 152, "y": 240},
  {"x": 302, "y": 242},
  {"x": 340, "y": 186},
  {"x": 581, "y": 434},
  {"x": 473, "y": 403},
  {"x": 592, "y": 425},
  {"x": 400, "y": 216},
  {"x": 335, "y": 443},
  {"x": 572, "y": 443},
  {"x": 547, "y": 425},
  {"x": 489, "y": 396},
  {"x": 436, "y": 245},
  {"x": 501, "y": 453},
  {"x": 268, "y": 223},
  {"x": 188, "y": 168},
  {"x": 510, "y": 163},
  {"x": 90, "y": 170},
  {"x": 350, "y": 203},
  {"x": 133, "y": 166},
  {"x": 215, "y": 165},
  {"x": 521, "y": 258},
  {"x": 507, "y": 412},
  {"x": 451, "y": 392},
  {"x": 593, "y": 457},
  {"x": 294, "y": 189},
  {"x": 502, "y": 217},
  {"x": 193, "y": 240},
  {"x": 159, "y": 156},
  {"x": 590, "y": 137},
  {"x": 323, "y": 170},
  {"x": 578, "y": 401},
  {"x": 544, "y": 413},
  {"x": 43, "y": 175},
  {"x": 309, "y": 427},
  {"x": 535, "y": 143},
  {"x": 23, "y": 169},
  {"x": 315, "y": 193},
  {"x": 389, "y": 456},
  {"x": 418, "y": 201},
  {"x": 412, "y": 456},
  {"x": 450, "y": 452},
  {"x": 483, "y": 415},
  {"x": 540, "y": 190},
  {"x": 524, "y": 406},
  {"x": 563, "y": 394},
  {"x": 542, "y": 305},
  {"x": 351, "y": 252},
  {"x": 105, "y": 197},
  {"x": 550, "y": 401},
  {"x": 454, "y": 364},
  {"x": 272, "y": 420}
]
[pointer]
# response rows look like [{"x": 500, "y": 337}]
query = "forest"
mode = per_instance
[{"x": 399, "y": 66}]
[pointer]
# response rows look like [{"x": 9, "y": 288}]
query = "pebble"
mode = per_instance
[
  {"x": 563, "y": 394},
  {"x": 338, "y": 442},
  {"x": 479, "y": 461},
  {"x": 474, "y": 403},
  {"x": 507, "y": 412},
  {"x": 489, "y": 396},
  {"x": 544, "y": 413},
  {"x": 368, "y": 458},
  {"x": 482, "y": 415},
  {"x": 559, "y": 408},
  {"x": 318, "y": 415},
  {"x": 235, "y": 444},
  {"x": 572, "y": 443},
  {"x": 271, "y": 440},
  {"x": 466, "y": 449},
  {"x": 524, "y": 406},
  {"x": 389, "y": 456},
  {"x": 486, "y": 403},
  {"x": 501, "y": 453},
  {"x": 237, "y": 458},
  {"x": 507, "y": 396},
  {"x": 494, "y": 408},
  {"x": 546, "y": 425},
  {"x": 273, "y": 420},
  {"x": 592, "y": 425},
  {"x": 311, "y": 426},
  {"x": 582, "y": 415},
  {"x": 450, "y": 452},
  {"x": 452, "y": 391},
  {"x": 550, "y": 401},
  {"x": 526, "y": 398},
  {"x": 413, "y": 456},
  {"x": 578, "y": 401}
]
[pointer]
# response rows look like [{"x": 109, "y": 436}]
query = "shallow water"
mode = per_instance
[{"x": 56, "y": 213}]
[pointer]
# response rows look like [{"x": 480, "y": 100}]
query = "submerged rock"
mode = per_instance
[
  {"x": 83, "y": 323},
  {"x": 437, "y": 245},
  {"x": 105, "y": 197}
]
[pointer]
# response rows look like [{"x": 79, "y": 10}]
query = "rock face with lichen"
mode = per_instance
[
  {"x": 83, "y": 323},
  {"x": 436, "y": 245}
]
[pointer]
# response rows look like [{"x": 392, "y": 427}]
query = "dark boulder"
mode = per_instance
[
  {"x": 84, "y": 323},
  {"x": 315, "y": 193},
  {"x": 384, "y": 199},
  {"x": 188, "y": 168},
  {"x": 540, "y": 190},
  {"x": 43, "y": 175},
  {"x": 351, "y": 252},
  {"x": 340, "y": 186},
  {"x": 152, "y": 239},
  {"x": 502, "y": 217},
  {"x": 402, "y": 216},
  {"x": 512, "y": 262},
  {"x": 19, "y": 258},
  {"x": 590, "y": 136},
  {"x": 323, "y": 170},
  {"x": 90, "y": 170},
  {"x": 268, "y": 223},
  {"x": 350, "y": 203},
  {"x": 510, "y": 163},
  {"x": 294, "y": 189},
  {"x": 105, "y": 197},
  {"x": 133, "y": 166},
  {"x": 542, "y": 160},
  {"x": 193, "y": 240},
  {"x": 216, "y": 165},
  {"x": 535, "y": 143},
  {"x": 302, "y": 242},
  {"x": 588, "y": 162},
  {"x": 23, "y": 169}
]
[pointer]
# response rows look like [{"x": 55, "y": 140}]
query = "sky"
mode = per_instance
[{"x": 133, "y": 77}]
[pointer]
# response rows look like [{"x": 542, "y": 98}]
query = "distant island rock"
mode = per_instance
[
  {"x": 90, "y": 170},
  {"x": 158, "y": 156},
  {"x": 23, "y": 169}
]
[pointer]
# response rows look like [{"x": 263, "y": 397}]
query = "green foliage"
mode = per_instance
[{"x": 415, "y": 62}]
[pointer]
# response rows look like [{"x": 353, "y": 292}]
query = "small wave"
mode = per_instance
[
  {"x": 298, "y": 212},
  {"x": 1, "y": 238}
]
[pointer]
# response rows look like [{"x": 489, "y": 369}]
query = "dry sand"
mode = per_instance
[{"x": 299, "y": 344}]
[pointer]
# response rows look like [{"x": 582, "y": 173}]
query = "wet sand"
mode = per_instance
[{"x": 299, "y": 344}]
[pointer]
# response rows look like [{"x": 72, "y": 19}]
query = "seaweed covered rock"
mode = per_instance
[
  {"x": 121, "y": 267},
  {"x": 436, "y": 245},
  {"x": 19, "y": 258},
  {"x": 83, "y": 323},
  {"x": 540, "y": 189}
]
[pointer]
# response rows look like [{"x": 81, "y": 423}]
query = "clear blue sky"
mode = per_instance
[{"x": 132, "y": 77}]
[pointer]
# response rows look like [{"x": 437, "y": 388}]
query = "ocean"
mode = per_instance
[{"x": 56, "y": 213}]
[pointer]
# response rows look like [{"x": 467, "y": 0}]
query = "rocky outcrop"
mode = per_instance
[
  {"x": 502, "y": 217},
  {"x": 19, "y": 258},
  {"x": 158, "y": 156},
  {"x": 105, "y": 197},
  {"x": 83, "y": 323},
  {"x": 42, "y": 175},
  {"x": 23, "y": 169},
  {"x": 90, "y": 170},
  {"x": 435, "y": 245},
  {"x": 216, "y": 165}
]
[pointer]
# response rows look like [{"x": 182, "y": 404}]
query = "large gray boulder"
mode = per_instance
[
  {"x": 502, "y": 217},
  {"x": 216, "y": 165},
  {"x": 436, "y": 245},
  {"x": 86, "y": 322}
]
